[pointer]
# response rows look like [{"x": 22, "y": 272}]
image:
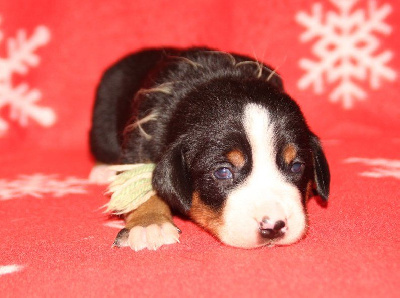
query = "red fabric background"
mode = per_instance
[{"x": 62, "y": 244}]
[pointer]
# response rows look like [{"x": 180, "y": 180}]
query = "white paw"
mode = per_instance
[
  {"x": 101, "y": 174},
  {"x": 150, "y": 237}
]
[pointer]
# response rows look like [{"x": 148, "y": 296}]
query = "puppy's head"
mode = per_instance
[{"x": 242, "y": 163}]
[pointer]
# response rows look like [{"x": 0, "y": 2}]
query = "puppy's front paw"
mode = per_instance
[{"x": 150, "y": 237}]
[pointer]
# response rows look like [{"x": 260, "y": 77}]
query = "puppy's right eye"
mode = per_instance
[
  {"x": 297, "y": 167},
  {"x": 223, "y": 174}
]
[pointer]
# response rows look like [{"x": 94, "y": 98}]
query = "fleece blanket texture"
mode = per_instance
[{"x": 339, "y": 60}]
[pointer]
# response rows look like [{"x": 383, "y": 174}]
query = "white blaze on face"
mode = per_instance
[{"x": 264, "y": 193}]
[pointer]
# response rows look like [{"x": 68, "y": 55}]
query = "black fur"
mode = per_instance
[{"x": 198, "y": 121}]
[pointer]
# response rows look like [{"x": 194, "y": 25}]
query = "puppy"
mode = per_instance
[{"x": 232, "y": 150}]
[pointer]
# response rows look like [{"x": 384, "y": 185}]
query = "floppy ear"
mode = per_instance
[
  {"x": 171, "y": 180},
  {"x": 322, "y": 175}
]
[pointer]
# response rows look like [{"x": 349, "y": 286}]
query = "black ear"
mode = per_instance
[
  {"x": 322, "y": 175},
  {"x": 171, "y": 180}
]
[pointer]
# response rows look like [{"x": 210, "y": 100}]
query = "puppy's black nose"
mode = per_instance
[{"x": 272, "y": 229}]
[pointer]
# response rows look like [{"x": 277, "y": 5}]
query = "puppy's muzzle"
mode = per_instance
[{"x": 271, "y": 228}]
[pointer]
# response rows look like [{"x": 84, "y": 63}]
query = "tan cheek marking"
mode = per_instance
[
  {"x": 289, "y": 153},
  {"x": 203, "y": 215},
  {"x": 237, "y": 158},
  {"x": 309, "y": 190}
]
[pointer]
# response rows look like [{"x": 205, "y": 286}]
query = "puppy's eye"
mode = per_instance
[
  {"x": 223, "y": 173},
  {"x": 297, "y": 167}
]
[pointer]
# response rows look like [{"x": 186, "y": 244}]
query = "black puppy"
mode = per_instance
[{"x": 232, "y": 149}]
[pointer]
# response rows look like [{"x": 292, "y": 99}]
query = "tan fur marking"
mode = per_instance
[
  {"x": 202, "y": 214},
  {"x": 309, "y": 190},
  {"x": 237, "y": 158},
  {"x": 289, "y": 153},
  {"x": 153, "y": 211}
]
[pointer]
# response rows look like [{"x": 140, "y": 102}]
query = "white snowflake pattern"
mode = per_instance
[
  {"x": 381, "y": 167},
  {"x": 21, "y": 100},
  {"x": 117, "y": 224},
  {"x": 38, "y": 185},
  {"x": 7, "y": 269},
  {"x": 346, "y": 48}
]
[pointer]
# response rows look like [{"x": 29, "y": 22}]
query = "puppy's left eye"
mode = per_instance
[
  {"x": 297, "y": 167},
  {"x": 223, "y": 173}
]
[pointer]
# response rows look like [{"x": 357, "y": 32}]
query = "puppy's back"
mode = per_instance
[{"x": 113, "y": 105}]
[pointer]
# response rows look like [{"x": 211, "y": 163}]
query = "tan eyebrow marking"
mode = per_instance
[
  {"x": 236, "y": 157},
  {"x": 289, "y": 153}
]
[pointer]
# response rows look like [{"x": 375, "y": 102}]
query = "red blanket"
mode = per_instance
[{"x": 338, "y": 60}]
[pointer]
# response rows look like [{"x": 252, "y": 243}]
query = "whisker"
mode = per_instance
[
  {"x": 258, "y": 65},
  {"x": 187, "y": 60},
  {"x": 165, "y": 88},
  {"x": 230, "y": 56},
  {"x": 274, "y": 71},
  {"x": 138, "y": 124}
]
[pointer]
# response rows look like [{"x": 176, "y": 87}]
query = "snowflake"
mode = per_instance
[
  {"x": 37, "y": 185},
  {"x": 20, "y": 99},
  {"x": 117, "y": 224},
  {"x": 7, "y": 269},
  {"x": 346, "y": 48},
  {"x": 381, "y": 167}
]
